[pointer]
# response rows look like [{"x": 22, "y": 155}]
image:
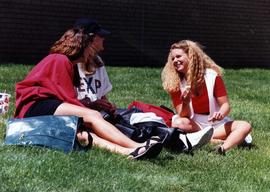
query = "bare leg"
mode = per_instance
[
  {"x": 99, "y": 126},
  {"x": 104, "y": 144},
  {"x": 233, "y": 133},
  {"x": 217, "y": 141},
  {"x": 185, "y": 124},
  {"x": 114, "y": 148}
]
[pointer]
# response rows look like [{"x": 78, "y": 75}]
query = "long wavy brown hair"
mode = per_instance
[
  {"x": 72, "y": 44},
  {"x": 198, "y": 62},
  {"x": 92, "y": 62}
]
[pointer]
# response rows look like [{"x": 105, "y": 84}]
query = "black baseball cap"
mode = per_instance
[{"x": 92, "y": 27}]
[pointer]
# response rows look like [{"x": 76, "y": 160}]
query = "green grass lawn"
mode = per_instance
[{"x": 39, "y": 169}]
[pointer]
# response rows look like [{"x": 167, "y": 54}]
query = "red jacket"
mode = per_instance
[{"x": 51, "y": 77}]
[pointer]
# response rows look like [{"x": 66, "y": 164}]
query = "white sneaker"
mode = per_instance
[
  {"x": 199, "y": 138},
  {"x": 248, "y": 139}
]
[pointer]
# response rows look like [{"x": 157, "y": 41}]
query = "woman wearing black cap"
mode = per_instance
[
  {"x": 93, "y": 83},
  {"x": 48, "y": 90}
]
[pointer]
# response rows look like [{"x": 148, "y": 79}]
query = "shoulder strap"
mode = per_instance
[{"x": 210, "y": 77}]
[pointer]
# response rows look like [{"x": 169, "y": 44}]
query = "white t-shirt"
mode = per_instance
[{"x": 93, "y": 86}]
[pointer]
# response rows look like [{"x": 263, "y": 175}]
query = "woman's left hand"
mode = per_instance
[{"x": 217, "y": 116}]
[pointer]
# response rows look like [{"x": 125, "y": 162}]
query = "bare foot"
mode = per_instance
[{"x": 83, "y": 138}]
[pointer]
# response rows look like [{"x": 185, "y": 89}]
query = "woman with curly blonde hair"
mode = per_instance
[
  {"x": 49, "y": 90},
  {"x": 193, "y": 80}
]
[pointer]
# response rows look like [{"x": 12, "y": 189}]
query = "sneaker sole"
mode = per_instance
[{"x": 205, "y": 139}]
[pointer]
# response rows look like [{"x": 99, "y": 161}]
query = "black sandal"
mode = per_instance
[
  {"x": 151, "y": 151},
  {"x": 80, "y": 146},
  {"x": 155, "y": 138},
  {"x": 220, "y": 150},
  {"x": 159, "y": 139}
]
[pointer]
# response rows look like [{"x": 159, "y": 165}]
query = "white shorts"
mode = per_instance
[{"x": 202, "y": 121}]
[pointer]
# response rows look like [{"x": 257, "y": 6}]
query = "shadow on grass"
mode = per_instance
[{"x": 245, "y": 146}]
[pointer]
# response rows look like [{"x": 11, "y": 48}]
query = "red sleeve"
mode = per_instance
[
  {"x": 219, "y": 89},
  {"x": 176, "y": 98},
  {"x": 52, "y": 77}
]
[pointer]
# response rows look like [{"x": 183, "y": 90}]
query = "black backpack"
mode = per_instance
[{"x": 142, "y": 131}]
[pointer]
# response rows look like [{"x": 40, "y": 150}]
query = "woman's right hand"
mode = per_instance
[
  {"x": 99, "y": 105},
  {"x": 105, "y": 105},
  {"x": 217, "y": 116}
]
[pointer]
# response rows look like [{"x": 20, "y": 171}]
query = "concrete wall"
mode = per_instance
[{"x": 235, "y": 33}]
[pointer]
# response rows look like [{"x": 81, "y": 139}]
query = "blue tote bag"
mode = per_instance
[{"x": 56, "y": 132}]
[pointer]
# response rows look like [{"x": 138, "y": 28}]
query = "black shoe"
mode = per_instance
[
  {"x": 220, "y": 150},
  {"x": 151, "y": 150}
]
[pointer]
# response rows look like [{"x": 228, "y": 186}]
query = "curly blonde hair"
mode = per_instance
[
  {"x": 72, "y": 44},
  {"x": 198, "y": 62}
]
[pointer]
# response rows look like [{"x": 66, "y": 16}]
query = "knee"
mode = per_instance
[
  {"x": 245, "y": 127},
  {"x": 91, "y": 116},
  {"x": 181, "y": 123},
  {"x": 96, "y": 114}
]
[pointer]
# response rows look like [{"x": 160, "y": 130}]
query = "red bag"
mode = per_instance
[{"x": 161, "y": 111}]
